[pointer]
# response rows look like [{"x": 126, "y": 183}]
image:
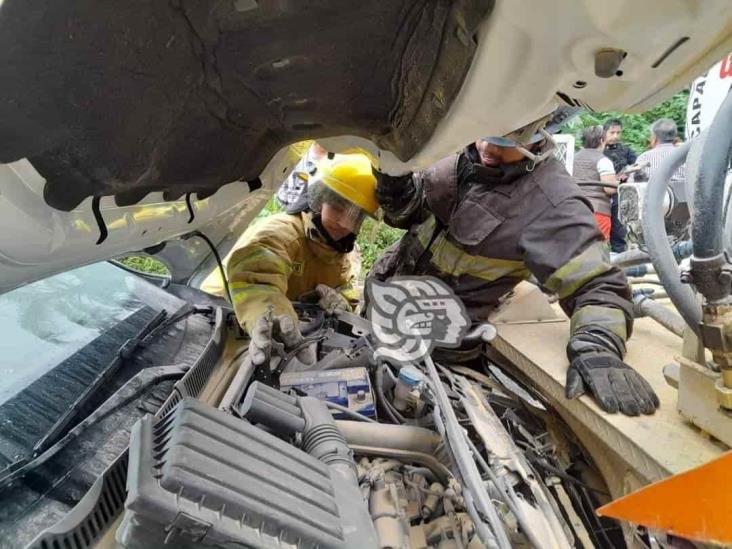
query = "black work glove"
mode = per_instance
[
  {"x": 393, "y": 192},
  {"x": 615, "y": 385}
]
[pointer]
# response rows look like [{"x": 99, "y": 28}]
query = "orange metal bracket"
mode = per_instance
[{"x": 696, "y": 504}]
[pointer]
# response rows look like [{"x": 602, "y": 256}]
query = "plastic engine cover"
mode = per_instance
[
  {"x": 199, "y": 476},
  {"x": 349, "y": 387}
]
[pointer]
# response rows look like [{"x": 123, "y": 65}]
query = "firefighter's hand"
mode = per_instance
[
  {"x": 331, "y": 300},
  {"x": 614, "y": 385},
  {"x": 281, "y": 329},
  {"x": 392, "y": 192}
]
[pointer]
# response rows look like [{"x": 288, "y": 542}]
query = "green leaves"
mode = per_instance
[
  {"x": 636, "y": 127},
  {"x": 145, "y": 264},
  {"x": 373, "y": 239}
]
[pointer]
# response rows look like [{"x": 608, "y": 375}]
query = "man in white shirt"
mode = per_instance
[{"x": 664, "y": 138}]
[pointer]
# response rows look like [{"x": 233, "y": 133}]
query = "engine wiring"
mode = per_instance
[{"x": 501, "y": 503}]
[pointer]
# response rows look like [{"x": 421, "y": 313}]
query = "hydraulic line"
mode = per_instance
[
  {"x": 710, "y": 267},
  {"x": 645, "y": 306},
  {"x": 630, "y": 258},
  {"x": 707, "y": 224},
  {"x": 654, "y": 233}
]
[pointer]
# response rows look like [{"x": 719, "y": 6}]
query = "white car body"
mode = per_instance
[{"x": 526, "y": 53}]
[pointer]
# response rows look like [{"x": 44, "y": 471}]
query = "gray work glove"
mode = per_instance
[
  {"x": 331, "y": 300},
  {"x": 614, "y": 385},
  {"x": 393, "y": 192},
  {"x": 596, "y": 364},
  {"x": 282, "y": 329}
]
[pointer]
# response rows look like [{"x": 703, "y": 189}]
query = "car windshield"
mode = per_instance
[
  {"x": 58, "y": 336},
  {"x": 44, "y": 323}
]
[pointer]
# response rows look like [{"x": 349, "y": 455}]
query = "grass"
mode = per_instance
[
  {"x": 373, "y": 239},
  {"x": 146, "y": 264}
]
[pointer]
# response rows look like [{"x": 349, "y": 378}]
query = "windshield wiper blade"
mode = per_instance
[
  {"x": 57, "y": 434},
  {"x": 125, "y": 351},
  {"x": 131, "y": 391}
]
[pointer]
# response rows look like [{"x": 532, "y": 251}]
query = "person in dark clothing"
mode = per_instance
[
  {"x": 621, "y": 156},
  {"x": 501, "y": 210}
]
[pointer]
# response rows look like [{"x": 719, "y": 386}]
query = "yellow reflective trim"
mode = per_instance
[
  {"x": 609, "y": 318},
  {"x": 246, "y": 290},
  {"x": 425, "y": 231},
  {"x": 349, "y": 291},
  {"x": 350, "y": 294},
  {"x": 257, "y": 259},
  {"x": 579, "y": 270},
  {"x": 452, "y": 260}
]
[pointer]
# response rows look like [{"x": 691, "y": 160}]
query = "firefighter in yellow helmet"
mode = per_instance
[{"x": 302, "y": 251}]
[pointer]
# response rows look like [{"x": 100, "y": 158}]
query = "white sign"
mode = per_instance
[
  {"x": 564, "y": 151},
  {"x": 706, "y": 95}
]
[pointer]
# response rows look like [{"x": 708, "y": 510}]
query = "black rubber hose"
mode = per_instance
[
  {"x": 219, "y": 263},
  {"x": 659, "y": 248},
  {"x": 707, "y": 225},
  {"x": 381, "y": 396}
]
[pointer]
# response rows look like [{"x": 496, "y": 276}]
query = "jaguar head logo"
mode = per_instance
[{"x": 410, "y": 316}]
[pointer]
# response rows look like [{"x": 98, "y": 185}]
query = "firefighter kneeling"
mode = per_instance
[
  {"x": 485, "y": 219},
  {"x": 302, "y": 251}
]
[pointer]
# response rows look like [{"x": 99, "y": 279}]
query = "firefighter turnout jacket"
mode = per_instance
[
  {"x": 283, "y": 258},
  {"x": 483, "y": 236}
]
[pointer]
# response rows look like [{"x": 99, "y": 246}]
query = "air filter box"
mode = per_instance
[{"x": 200, "y": 477}]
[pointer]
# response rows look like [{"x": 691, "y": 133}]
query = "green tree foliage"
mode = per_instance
[
  {"x": 270, "y": 208},
  {"x": 373, "y": 239},
  {"x": 637, "y": 127},
  {"x": 146, "y": 264}
]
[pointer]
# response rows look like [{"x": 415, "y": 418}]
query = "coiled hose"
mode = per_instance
[
  {"x": 707, "y": 225},
  {"x": 654, "y": 233},
  {"x": 709, "y": 264}
]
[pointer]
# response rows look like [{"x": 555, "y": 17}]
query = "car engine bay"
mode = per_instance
[{"x": 353, "y": 452}]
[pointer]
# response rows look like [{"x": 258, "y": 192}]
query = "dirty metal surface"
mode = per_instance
[{"x": 654, "y": 447}]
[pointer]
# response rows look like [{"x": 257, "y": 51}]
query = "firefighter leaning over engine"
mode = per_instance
[
  {"x": 302, "y": 251},
  {"x": 485, "y": 219}
]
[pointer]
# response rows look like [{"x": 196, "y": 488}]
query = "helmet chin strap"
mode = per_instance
[{"x": 537, "y": 159}]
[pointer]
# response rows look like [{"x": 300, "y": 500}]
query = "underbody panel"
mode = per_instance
[{"x": 137, "y": 119}]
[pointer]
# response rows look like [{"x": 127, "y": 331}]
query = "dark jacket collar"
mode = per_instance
[{"x": 500, "y": 179}]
